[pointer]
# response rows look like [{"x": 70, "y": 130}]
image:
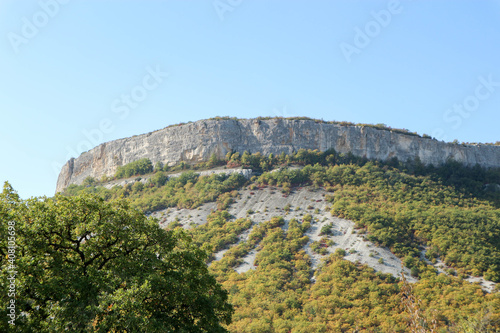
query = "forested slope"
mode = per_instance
[{"x": 452, "y": 211}]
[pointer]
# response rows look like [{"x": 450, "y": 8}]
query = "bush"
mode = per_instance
[
  {"x": 308, "y": 218},
  {"x": 326, "y": 229},
  {"x": 318, "y": 248},
  {"x": 339, "y": 252}
]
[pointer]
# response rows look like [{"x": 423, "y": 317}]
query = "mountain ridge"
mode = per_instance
[{"x": 197, "y": 141}]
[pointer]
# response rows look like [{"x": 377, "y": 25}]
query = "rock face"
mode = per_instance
[{"x": 196, "y": 142}]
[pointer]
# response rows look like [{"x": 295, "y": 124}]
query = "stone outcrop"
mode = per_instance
[{"x": 196, "y": 142}]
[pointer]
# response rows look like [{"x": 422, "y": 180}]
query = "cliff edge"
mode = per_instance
[{"x": 196, "y": 142}]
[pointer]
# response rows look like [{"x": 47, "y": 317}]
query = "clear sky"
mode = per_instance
[{"x": 74, "y": 74}]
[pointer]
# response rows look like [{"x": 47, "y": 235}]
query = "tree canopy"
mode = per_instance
[{"x": 87, "y": 265}]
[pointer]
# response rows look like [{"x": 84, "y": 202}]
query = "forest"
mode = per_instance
[{"x": 452, "y": 211}]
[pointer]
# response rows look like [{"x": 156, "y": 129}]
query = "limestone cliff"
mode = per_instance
[{"x": 195, "y": 142}]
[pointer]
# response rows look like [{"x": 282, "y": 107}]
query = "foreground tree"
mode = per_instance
[{"x": 86, "y": 265}]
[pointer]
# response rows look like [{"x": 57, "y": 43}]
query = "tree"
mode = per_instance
[
  {"x": 158, "y": 179},
  {"x": 245, "y": 159},
  {"x": 86, "y": 265},
  {"x": 213, "y": 161},
  {"x": 158, "y": 166},
  {"x": 89, "y": 181}
]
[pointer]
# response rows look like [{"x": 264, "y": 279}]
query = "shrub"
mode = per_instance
[
  {"x": 326, "y": 229},
  {"x": 339, "y": 252},
  {"x": 308, "y": 218}
]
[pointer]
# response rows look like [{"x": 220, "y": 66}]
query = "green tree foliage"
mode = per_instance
[
  {"x": 89, "y": 181},
  {"x": 213, "y": 161},
  {"x": 158, "y": 166},
  {"x": 139, "y": 167},
  {"x": 86, "y": 265},
  {"x": 158, "y": 179}
]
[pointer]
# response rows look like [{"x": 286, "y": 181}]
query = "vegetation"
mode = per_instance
[
  {"x": 446, "y": 209},
  {"x": 219, "y": 232},
  {"x": 189, "y": 190},
  {"x": 449, "y": 210},
  {"x": 321, "y": 246},
  {"x": 86, "y": 265},
  {"x": 401, "y": 206},
  {"x": 326, "y": 229},
  {"x": 139, "y": 167},
  {"x": 279, "y": 296}
]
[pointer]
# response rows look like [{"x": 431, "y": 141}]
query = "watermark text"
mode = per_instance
[
  {"x": 30, "y": 27},
  {"x": 12, "y": 273}
]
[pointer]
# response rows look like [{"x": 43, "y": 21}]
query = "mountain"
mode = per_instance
[
  {"x": 198, "y": 141},
  {"x": 309, "y": 225}
]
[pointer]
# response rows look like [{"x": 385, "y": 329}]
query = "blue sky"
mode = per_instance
[{"x": 76, "y": 73}]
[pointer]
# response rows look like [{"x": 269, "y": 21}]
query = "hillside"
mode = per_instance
[
  {"x": 196, "y": 142},
  {"x": 261, "y": 204},
  {"x": 315, "y": 242}
]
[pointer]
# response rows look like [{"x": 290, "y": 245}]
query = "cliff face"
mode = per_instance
[{"x": 195, "y": 142}]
